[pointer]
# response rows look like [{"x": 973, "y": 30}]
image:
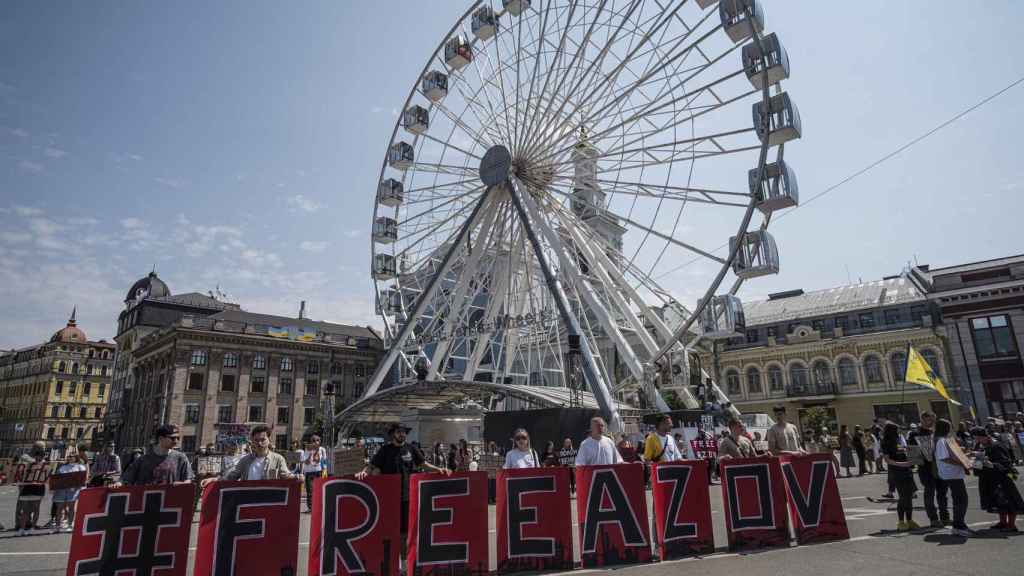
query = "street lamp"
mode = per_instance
[{"x": 329, "y": 423}]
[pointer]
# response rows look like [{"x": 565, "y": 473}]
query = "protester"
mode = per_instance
[
  {"x": 783, "y": 437},
  {"x": 735, "y": 444},
  {"x": 811, "y": 444},
  {"x": 567, "y": 458},
  {"x": 550, "y": 456},
  {"x": 902, "y": 472},
  {"x": 261, "y": 463},
  {"x": 453, "y": 457},
  {"x": 438, "y": 457},
  {"x": 626, "y": 449},
  {"x": 952, "y": 473},
  {"x": 314, "y": 462},
  {"x": 996, "y": 483},
  {"x": 681, "y": 443},
  {"x": 106, "y": 468},
  {"x": 935, "y": 502},
  {"x": 661, "y": 446},
  {"x": 846, "y": 449},
  {"x": 597, "y": 448},
  {"x": 963, "y": 435},
  {"x": 66, "y": 498},
  {"x": 163, "y": 464},
  {"x": 30, "y": 494},
  {"x": 860, "y": 449},
  {"x": 522, "y": 456}
]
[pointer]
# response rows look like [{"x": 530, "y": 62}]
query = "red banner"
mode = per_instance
[
  {"x": 132, "y": 530},
  {"x": 69, "y": 480},
  {"x": 448, "y": 524},
  {"x": 354, "y": 527},
  {"x": 611, "y": 508},
  {"x": 534, "y": 520},
  {"x": 248, "y": 528},
  {"x": 755, "y": 503},
  {"x": 682, "y": 508},
  {"x": 814, "y": 503}
]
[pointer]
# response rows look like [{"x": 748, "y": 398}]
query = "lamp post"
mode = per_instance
[{"x": 329, "y": 423}]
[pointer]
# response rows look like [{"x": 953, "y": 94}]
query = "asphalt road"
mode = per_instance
[{"x": 873, "y": 548}]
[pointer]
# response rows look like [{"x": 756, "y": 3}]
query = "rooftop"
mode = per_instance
[{"x": 796, "y": 304}]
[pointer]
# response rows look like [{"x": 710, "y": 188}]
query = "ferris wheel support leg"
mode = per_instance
[
  {"x": 424, "y": 298},
  {"x": 590, "y": 370}
]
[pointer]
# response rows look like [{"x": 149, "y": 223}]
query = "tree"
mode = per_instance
[
  {"x": 673, "y": 400},
  {"x": 817, "y": 418}
]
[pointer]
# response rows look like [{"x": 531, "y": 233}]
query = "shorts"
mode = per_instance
[{"x": 31, "y": 492}]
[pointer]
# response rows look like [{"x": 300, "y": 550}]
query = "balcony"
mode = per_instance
[{"x": 825, "y": 390}]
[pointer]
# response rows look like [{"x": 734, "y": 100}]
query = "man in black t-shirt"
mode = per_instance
[{"x": 397, "y": 457}]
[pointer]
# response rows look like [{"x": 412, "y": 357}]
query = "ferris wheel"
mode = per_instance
[{"x": 554, "y": 165}]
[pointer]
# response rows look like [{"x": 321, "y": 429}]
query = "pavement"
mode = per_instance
[{"x": 873, "y": 548}]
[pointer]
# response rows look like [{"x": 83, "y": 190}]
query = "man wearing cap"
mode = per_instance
[
  {"x": 735, "y": 444},
  {"x": 783, "y": 437},
  {"x": 163, "y": 464}
]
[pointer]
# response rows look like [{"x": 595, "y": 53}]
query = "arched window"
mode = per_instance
[
  {"x": 732, "y": 381},
  {"x": 231, "y": 360},
  {"x": 822, "y": 374},
  {"x": 775, "y": 378},
  {"x": 62, "y": 367},
  {"x": 74, "y": 368},
  {"x": 932, "y": 358},
  {"x": 753, "y": 380},
  {"x": 199, "y": 357},
  {"x": 873, "y": 369},
  {"x": 847, "y": 372},
  {"x": 898, "y": 363},
  {"x": 798, "y": 375},
  {"x": 286, "y": 364}
]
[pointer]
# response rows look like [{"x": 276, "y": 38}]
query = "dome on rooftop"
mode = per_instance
[
  {"x": 70, "y": 333},
  {"x": 149, "y": 287}
]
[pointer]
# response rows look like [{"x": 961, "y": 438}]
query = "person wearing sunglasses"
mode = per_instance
[
  {"x": 522, "y": 455},
  {"x": 164, "y": 464}
]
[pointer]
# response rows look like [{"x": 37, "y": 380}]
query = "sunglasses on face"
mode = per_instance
[
  {"x": 518, "y": 438},
  {"x": 175, "y": 437}
]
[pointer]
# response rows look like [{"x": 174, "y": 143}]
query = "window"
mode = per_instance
[
  {"x": 72, "y": 388},
  {"x": 199, "y": 357},
  {"x": 775, "y": 378},
  {"x": 798, "y": 376},
  {"x": 98, "y": 412},
  {"x": 873, "y": 369},
  {"x": 91, "y": 352},
  {"x": 231, "y": 360},
  {"x": 751, "y": 335},
  {"x": 898, "y": 365},
  {"x": 281, "y": 442},
  {"x": 225, "y": 413},
  {"x": 771, "y": 331},
  {"x": 86, "y": 388},
  {"x": 79, "y": 433},
  {"x": 62, "y": 367},
  {"x": 932, "y": 358},
  {"x": 227, "y": 383},
  {"x": 822, "y": 374},
  {"x": 903, "y": 414},
  {"x": 308, "y": 415},
  {"x": 54, "y": 412},
  {"x": 195, "y": 381},
  {"x": 259, "y": 362},
  {"x": 191, "y": 413},
  {"x": 255, "y": 413},
  {"x": 336, "y": 369},
  {"x": 81, "y": 412},
  {"x": 102, "y": 390},
  {"x": 867, "y": 319},
  {"x": 753, "y": 380},
  {"x": 284, "y": 386},
  {"x": 360, "y": 370},
  {"x": 312, "y": 387},
  {"x": 259, "y": 384},
  {"x": 917, "y": 312},
  {"x": 313, "y": 367},
  {"x": 992, "y": 337},
  {"x": 188, "y": 444},
  {"x": 282, "y": 414},
  {"x": 732, "y": 380},
  {"x": 74, "y": 368},
  {"x": 67, "y": 411},
  {"x": 50, "y": 432},
  {"x": 64, "y": 433},
  {"x": 818, "y": 325},
  {"x": 892, "y": 316},
  {"x": 104, "y": 371},
  {"x": 286, "y": 364},
  {"x": 847, "y": 372},
  {"x": 841, "y": 322},
  {"x": 60, "y": 388}
]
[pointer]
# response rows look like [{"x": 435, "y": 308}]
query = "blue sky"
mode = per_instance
[{"x": 238, "y": 144}]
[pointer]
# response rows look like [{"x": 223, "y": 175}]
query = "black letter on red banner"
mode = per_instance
[
  {"x": 518, "y": 515},
  {"x": 231, "y": 529},
  {"x": 112, "y": 524},
  {"x": 679, "y": 476},
  {"x": 428, "y": 551},
  {"x": 338, "y": 543},
  {"x": 759, "y": 472},
  {"x": 621, "y": 512},
  {"x": 808, "y": 506}
]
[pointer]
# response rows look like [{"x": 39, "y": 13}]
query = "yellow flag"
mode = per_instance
[{"x": 919, "y": 372}]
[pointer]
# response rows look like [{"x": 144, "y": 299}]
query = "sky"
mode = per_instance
[{"x": 238, "y": 144}]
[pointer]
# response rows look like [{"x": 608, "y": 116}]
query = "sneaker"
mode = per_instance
[
  {"x": 888, "y": 495},
  {"x": 996, "y": 527},
  {"x": 902, "y": 527},
  {"x": 935, "y": 524},
  {"x": 1010, "y": 529},
  {"x": 911, "y": 525},
  {"x": 67, "y": 529}
]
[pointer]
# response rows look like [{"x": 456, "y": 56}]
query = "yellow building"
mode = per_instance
[{"x": 56, "y": 392}]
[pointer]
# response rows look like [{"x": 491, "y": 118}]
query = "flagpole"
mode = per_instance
[{"x": 903, "y": 388}]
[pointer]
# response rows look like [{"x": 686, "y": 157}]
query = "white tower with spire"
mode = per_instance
[{"x": 589, "y": 199}]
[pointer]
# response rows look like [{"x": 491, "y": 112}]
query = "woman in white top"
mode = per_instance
[{"x": 522, "y": 456}]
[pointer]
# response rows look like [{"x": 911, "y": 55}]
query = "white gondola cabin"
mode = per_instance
[
  {"x": 457, "y": 52},
  {"x": 484, "y": 23},
  {"x": 516, "y": 7},
  {"x": 740, "y": 18},
  {"x": 384, "y": 267},
  {"x": 722, "y": 318},
  {"x": 416, "y": 119},
  {"x": 400, "y": 155},
  {"x": 757, "y": 256},
  {"x": 783, "y": 120},
  {"x": 774, "y": 65},
  {"x": 390, "y": 193},
  {"x": 392, "y": 301},
  {"x": 776, "y": 189},
  {"x": 434, "y": 85},
  {"x": 385, "y": 230}
]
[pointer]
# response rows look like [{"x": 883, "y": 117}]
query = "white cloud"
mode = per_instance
[
  {"x": 300, "y": 202},
  {"x": 20, "y": 133},
  {"x": 44, "y": 226},
  {"x": 313, "y": 246},
  {"x": 15, "y": 237},
  {"x": 175, "y": 183},
  {"x": 27, "y": 211},
  {"x": 52, "y": 152},
  {"x": 135, "y": 157},
  {"x": 353, "y": 233},
  {"x": 261, "y": 259},
  {"x": 132, "y": 223},
  {"x": 30, "y": 166}
]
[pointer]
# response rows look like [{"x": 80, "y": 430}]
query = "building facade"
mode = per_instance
[
  {"x": 205, "y": 372},
  {"x": 982, "y": 305},
  {"x": 56, "y": 392},
  {"x": 842, "y": 349}
]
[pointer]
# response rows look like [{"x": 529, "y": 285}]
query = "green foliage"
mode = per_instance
[
  {"x": 817, "y": 418},
  {"x": 673, "y": 400}
]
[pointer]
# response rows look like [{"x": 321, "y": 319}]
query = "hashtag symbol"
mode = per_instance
[{"x": 112, "y": 523}]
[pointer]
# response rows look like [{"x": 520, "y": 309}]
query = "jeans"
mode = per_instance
[
  {"x": 958, "y": 491},
  {"x": 934, "y": 493},
  {"x": 905, "y": 498},
  {"x": 310, "y": 476}
]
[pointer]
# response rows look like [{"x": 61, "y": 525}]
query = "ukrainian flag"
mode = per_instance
[
  {"x": 919, "y": 372},
  {"x": 277, "y": 331}
]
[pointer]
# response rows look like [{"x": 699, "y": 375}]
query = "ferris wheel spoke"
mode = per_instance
[
  {"x": 433, "y": 209},
  {"x": 517, "y": 145},
  {"x": 475, "y": 135}
]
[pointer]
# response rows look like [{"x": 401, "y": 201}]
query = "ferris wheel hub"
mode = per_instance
[{"x": 495, "y": 165}]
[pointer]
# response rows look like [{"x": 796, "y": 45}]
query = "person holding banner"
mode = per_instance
[
  {"x": 783, "y": 437},
  {"x": 661, "y": 446},
  {"x": 735, "y": 444},
  {"x": 30, "y": 494},
  {"x": 66, "y": 498},
  {"x": 106, "y": 468},
  {"x": 522, "y": 456},
  {"x": 163, "y": 464},
  {"x": 261, "y": 463},
  {"x": 597, "y": 448}
]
